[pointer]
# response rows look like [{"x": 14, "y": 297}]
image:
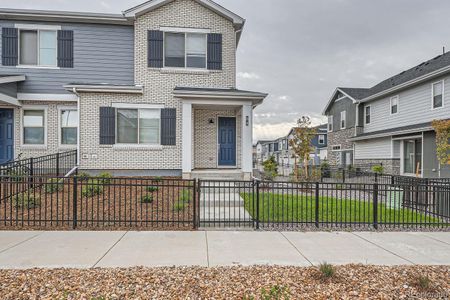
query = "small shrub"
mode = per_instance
[
  {"x": 94, "y": 187},
  {"x": 147, "y": 199},
  {"x": 275, "y": 293},
  {"x": 151, "y": 189},
  {"x": 423, "y": 282},
  {"x": 185, "y": 196},
  {"x": 327, "y": 270},
  {"x": 26, "y": 200},
  {"x": 157, "y": 179},
  {"x": 54, "y": 185},
  {"x": 105, "y": 177},
  {"x": 378, "y": 169},
  {"x": 270, "y": 168},
  {"x": 17, "y": 174},
  {"x": 83, "y": 176},
  {"x": 179, "y": 205}
]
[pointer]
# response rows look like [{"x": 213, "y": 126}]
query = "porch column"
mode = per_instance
[
  {"x": 247, "y": 138},
  {"x": 186, "y": 139}
]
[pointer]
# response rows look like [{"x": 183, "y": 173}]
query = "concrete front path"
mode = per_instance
[{"x": 78, "y": 249}]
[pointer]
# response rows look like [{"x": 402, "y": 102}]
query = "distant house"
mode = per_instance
[{"x": 390, "y": 123}]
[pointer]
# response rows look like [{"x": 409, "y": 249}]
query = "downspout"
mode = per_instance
[{"x": 74, "y": 90}]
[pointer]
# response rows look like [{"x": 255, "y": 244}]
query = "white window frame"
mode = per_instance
[
  {"x": 432, "y": 94},
  {"x": 22, "y": 127},
  {"x": 138, "y": 108},
  {"x": 60, "y": 144},
  {"x": 330, "y": 122},
  {"x": 323, "y": 139},
  {"x": 365, "y": 114},
  {"x": 398, "y": 105},
  {"x": 343, "y": 113},
  {"x": 38, "y": 29},
  {"x": 336, "y": 146},
  {"x": 185, "y": 31}
]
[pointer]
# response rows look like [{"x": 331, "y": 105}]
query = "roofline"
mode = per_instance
[
  {"x": 256, "y": 98},
  {"x": 103, "y": 88},
  {"x": 142, "y": 8},
  {"x": 66, "y": 16},
  {"x": 379, "y": 135},
  {"x": 332, "y": 96},
  {"x": 12, "y": 78},
  {"x": 409, "y": 83}
]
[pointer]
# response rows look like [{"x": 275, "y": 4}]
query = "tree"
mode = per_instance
[
  {"x": 300, "y": 143},
  {"x": 442, "y": 129},
  {"x": 270, "y": 168}
]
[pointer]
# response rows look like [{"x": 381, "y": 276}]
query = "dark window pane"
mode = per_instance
[
  {"x": 28, "y": 47},
  {"x": 69, "y": 136},
  {"x": 174, "y": 50},
  {"x": 437, "y": 101},
  {"x": 33, "y": 135},
  {"x": 127, "y": 126}
]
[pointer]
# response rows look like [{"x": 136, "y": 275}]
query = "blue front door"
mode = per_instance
[
  {"x": 6, "y": 135},
  {"x": 227, "y": 141}
]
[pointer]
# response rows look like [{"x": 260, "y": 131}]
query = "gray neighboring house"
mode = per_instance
[
  {"x": 149, "y": 91},
  {"x": 391, "y": 121}
]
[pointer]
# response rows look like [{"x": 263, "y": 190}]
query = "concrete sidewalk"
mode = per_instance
[{"x": 78, "y": 249}]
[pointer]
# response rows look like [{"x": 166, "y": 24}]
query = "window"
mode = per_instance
[
  {"x": 138, "y": 126},
  {"x": 69, "y": 126},
  {"x": 438, "y": 91},
  {"x": 330, "y": 123},
  {"x": 34, "y": 127},
  {"x": 185, "y": 50},
  {"x": 38, "y": 48},
  {"x": 321, "y": 139},
  {"x": 336, "y": 147},
  {"x": 394, "y": 105},
  {"x": 343, "y": 119},
  {"x": 412, "y": 156},
  {"x": 367, "y": 114}
]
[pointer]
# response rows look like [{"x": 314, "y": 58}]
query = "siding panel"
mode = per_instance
[{"x": 373, "y": 149}]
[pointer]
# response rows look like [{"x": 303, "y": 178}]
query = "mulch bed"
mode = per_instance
[
  {"x": 120, "y": 204},
  {"x": 262, "y": 282}
]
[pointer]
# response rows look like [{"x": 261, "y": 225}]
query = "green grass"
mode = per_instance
[{"x": 301, "y": 208}]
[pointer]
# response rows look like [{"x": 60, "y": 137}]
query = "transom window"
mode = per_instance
[
  {"x": 367, "y": 114},
  {"x": 185, "y": 50},
  {"x": 343, "y": 119},
  {"x": 69, "y": 126},
  {"x": 34, "y": 127},
  {"x": 336, "y": 147},
  {"x": 394, "y": 105},
  {"x": 37, "y": 48},
  {"x": 138, "y": 126},
  {"x": 438, "y": 91}
]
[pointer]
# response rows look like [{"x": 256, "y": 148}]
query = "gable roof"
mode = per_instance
[
  {"x": 154, "y": 4},
  {"x": 354, "y": 94}
]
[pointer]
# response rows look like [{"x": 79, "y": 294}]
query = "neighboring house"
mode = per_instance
[
  {"x": 390, "y": 123},
  {"x": 150, "y": 91}
]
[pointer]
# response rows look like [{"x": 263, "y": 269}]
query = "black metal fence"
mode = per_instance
[{"x": 98, "y": 202}]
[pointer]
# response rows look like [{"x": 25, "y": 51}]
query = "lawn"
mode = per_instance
[{"x": 302, "y": 208}]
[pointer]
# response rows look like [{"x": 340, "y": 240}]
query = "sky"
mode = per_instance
[{"x": 299, "y": 51}]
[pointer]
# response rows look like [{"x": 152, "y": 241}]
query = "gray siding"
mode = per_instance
[
  {"x": 374, "y": 149},
  {"x": 102, "y": 54},
  {"x": 335, "y": 110},
  {"x": 9, "y": 89},
  {"x": 430, "y": 163}
]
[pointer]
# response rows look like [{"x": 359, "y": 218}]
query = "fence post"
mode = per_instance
[
  {"x": 343, "y": 175},
  {"x": 196, "y": 197},
  {"x": 317, "y": 205},
  {"x": 257, "y": 204},
  {"x": 376, "y": 177},
  {"x": 57, "y": 164},
  {"x": 375, "y": 205},
  {"x": 392, "y": 180},
  {"x": 74, "y": 201}
]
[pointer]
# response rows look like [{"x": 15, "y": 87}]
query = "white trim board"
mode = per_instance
[
  {"x": 46, "y": 97},
  {"x": 9, "y": 100},
  {"x": 12, "y": 78}
]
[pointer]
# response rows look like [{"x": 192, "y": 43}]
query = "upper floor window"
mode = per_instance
[
  {"x": 138, "y": 126},
  {"x": 321, "y": 139},
  {"x": 438, "y": 92},
  {"x": 34, "y": 127},
  {"x": 37, "y": 47},
  {"x": 69, "y": 126},
  {"x": 343, "y": 119},
  {"x": 394, "y": 105},
  {"x": 367, "y": 114},
  {"x": 330, "y": 123},
  {"x": 185, "y": 50}
]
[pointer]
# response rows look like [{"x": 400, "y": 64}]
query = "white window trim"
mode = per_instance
[
  {"x": 136, "y": 107},
  {"x": 37, "y": 28},
  {"x": 186, "y": 68},
  {"x": 323, "y": 139},
  {"x": 343, "y": 113},
  {"x": 365, "y": 114},
  {"x": 432, "y": 94},
  {"x": 398, "y": 105},
  {"x": 184, "y": 29},
  {"x": 34, "y": 107},
  {"x": 60, "y": 145},
  {"x": 330, "y": 122}
]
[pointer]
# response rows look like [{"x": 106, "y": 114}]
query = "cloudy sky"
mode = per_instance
[{"x": 299, "y": 51}]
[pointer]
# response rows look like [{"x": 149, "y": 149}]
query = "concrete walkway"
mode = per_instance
[{"x": 78, "y": 249}]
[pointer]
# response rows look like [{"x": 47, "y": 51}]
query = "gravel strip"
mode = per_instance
[{"x": 349, "y": 282}]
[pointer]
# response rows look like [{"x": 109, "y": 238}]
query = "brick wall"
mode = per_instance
[{"x": 339, "y": 137}]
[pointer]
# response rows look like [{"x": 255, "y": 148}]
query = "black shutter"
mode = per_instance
[
  {"x": 214, "y": 51},
  {"x": 10, "y": 46},
  {"x": 107, "y": 125},
  {"x": 65, "y": 48},
  {"x": 155, "y": 49},
  {"x": 168, "y": 126}
]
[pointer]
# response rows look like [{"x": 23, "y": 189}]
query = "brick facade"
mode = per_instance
[
  {"x": 391, "y": 166},
  {"x": 340, "y": 137}
]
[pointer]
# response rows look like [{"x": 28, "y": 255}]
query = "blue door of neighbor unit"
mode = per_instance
[
  {"x": 6, "y": 135},
  {"x": 227, "y": 141}
]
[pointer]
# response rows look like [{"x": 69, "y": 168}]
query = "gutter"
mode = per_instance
[{"x": 105, "y": 89}]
